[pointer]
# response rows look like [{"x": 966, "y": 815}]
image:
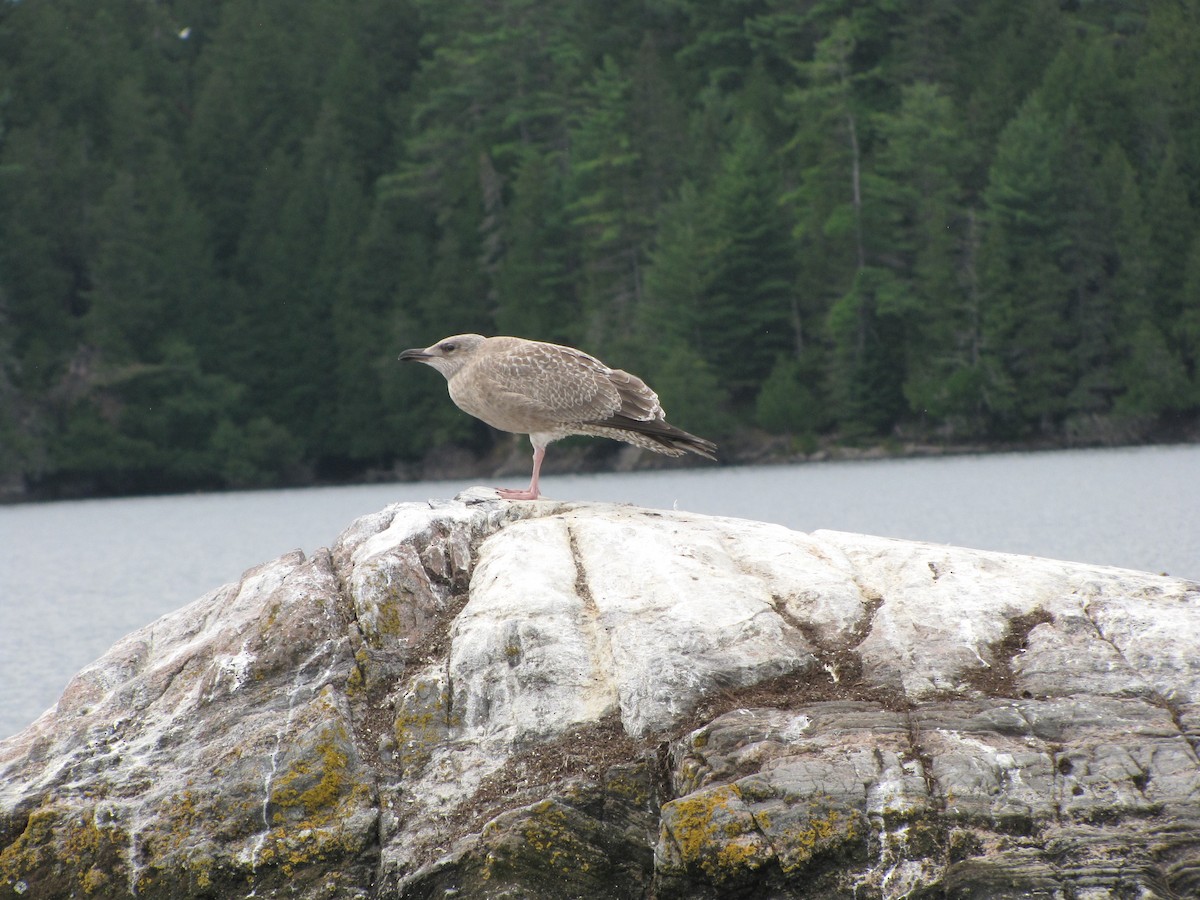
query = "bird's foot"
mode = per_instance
[{"x": 508, "y": 494}]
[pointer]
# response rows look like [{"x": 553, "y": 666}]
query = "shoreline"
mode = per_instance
[{"x": 585, "y": 457}]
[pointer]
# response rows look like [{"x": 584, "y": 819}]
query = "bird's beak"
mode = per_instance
[{"x": 417, "y": 353}]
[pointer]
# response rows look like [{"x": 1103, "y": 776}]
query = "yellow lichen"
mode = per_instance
[
  {"x": 715, "y": 833},
  {"x": 815, "y": 830},
  {"x": 818, "y": 833},
  {"x": 547, "y": 833},
  {"x": 320, "y": 838},
  {"x": 319, "y": 799},
  {"x": 384, "y": 600},
  {"x": 421, "y": 722},
  {"x": 69, "y": 839},
  {"x": 80, "y": 839},
  {"x": 629, "y": 786},
  {"x": 387, "y": 619},
  {"x": 25, "y": 853},
  {"x": 202, "y": 869},
  {"x": 310, "y": 824},
  {"x": 184, "y": 814},
  {"x": 93, "y": 880}
]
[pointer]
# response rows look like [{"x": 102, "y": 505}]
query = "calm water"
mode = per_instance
[{"x": 76, "y": 576}]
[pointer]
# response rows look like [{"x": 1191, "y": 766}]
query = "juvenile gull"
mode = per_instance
[{"x": 548, "y": 391}]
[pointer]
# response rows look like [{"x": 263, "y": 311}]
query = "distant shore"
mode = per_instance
[{"x": 511, "y": 457}]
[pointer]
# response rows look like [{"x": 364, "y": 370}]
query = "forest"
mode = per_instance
[{"x": 803, "y": 222}]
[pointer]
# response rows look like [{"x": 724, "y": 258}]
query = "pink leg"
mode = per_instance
[{"x": 532, "y": 492}]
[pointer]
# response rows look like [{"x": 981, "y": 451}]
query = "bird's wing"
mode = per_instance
[
  {"x": 568, "y": 386},
  {"x": 638, "y": 401}
]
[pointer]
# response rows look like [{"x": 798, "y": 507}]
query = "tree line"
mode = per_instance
[{"x": 221, "y": 219}]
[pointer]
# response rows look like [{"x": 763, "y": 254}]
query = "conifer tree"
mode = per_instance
[
  {"x": 607, "y": 205},
  {"x": 746, "y": 319},
  {"x": 1026, "y": 334},
  {"x": 918, "y": 171},
  {"x": 152, "y": 276},
  {"x": 535, "y": 294}
]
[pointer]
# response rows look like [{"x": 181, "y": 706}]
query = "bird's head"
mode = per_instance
[{"x": 448, "y": 355}]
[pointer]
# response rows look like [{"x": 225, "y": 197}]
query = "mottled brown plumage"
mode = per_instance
[{"x": 549, "y": 391}]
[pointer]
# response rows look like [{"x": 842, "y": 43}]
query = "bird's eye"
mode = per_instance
[{"x": 449, "y": 347}]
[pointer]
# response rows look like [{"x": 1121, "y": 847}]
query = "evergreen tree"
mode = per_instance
[
  {"x": 1185, "y": 331},
  {"x": 841, "y": 227},
  {"x": 747, "y": 318},
  {"x": 680, "y": 270},
  {"x": 1026, "y": 335},
  {"x": 262, "y": 89},
  {"x": 918, "y": 171},
  {"x": 382, "y": 411},
  {"x": 867, "y": 363},
  {"x": 1173, "y": 227},
  {"x": 607, "y": 206},
  {"x": 47, "y": 184},
  {"x": 1114, "y": 313},
  {"x": 689, "y": 387},
  {"x": 1157, "y": 381},
  {"x": 929, "y": 36},
  {"x": 19, "y": 454},
  {"x": 1166, "y": 85},
  {"x": 658, "y": 118},
  {"x": 718, "y": 44},
  {"x": 361, "y": 427},
  {"x": 302, "y": 224},
  {"x": 787, "y": 404},
  {"x": 1005, "y": 51},
  {"x": 151, "y": 271},
  {"x": 535, "y": 294}
]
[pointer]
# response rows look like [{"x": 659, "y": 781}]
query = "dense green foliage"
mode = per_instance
[{"x": 221, "y": 219}]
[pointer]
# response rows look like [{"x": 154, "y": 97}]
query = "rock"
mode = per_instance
[{"x": 485, "y": 699}]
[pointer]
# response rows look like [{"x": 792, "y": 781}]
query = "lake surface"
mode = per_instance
[{"x": 76, "y": 576}]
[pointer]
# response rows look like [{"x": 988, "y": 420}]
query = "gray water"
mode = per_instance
[{"x": 76, "y": 576}]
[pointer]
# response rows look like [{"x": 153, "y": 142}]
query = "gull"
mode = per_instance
[{"x": 548, "y": 392}]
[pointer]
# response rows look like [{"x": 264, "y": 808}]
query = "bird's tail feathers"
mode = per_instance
[{"x": 664, "y": 437}]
